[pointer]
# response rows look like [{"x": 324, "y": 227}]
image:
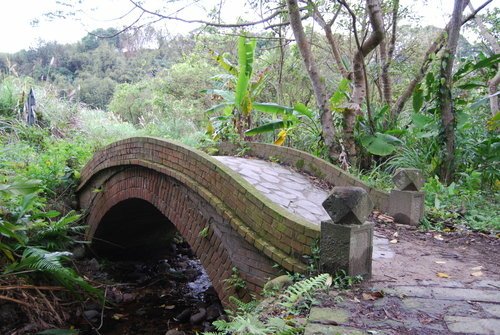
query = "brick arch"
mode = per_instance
[
  {"x": 221, "y": 250},
  {"x": 246, "y": 230}
]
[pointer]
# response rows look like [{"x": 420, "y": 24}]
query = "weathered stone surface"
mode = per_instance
[
  {"x": 278, "y": 283},
  {"x": 493, "y": 309},
  {"x": 408, "y": 179},
  {"x": 318, "y": 329},
  {"x": 407, "y": 207},
  {"x": 346, "y": 247},
  {"x": 348, "y": 205},
  {"x": 468, "y": 325},
  {"x": 466, "y": 294},
  {"x": 328, "y": 315}
]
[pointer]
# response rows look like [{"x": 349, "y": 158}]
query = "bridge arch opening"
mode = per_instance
[{"x": 133, "y": 229}]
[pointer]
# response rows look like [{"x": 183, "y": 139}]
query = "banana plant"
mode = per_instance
[{"x": 237, "y": 106}]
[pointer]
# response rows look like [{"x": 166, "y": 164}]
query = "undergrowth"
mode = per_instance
[{"x": 279, "y": 315}]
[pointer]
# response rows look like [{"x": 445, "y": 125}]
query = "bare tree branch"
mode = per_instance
[
  {"x": 327, "y": 27},
  {"x": 208, "y": 23}
]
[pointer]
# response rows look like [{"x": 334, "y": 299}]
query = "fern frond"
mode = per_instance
[
  {"x": 243, "y": 307},
  {"x": 50, "y": 263},
  {"x": 304, "y": 289}
]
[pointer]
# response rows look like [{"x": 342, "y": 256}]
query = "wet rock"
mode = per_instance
[
  {"x": 191, "y": 274},
  {"x": 198, "y": 317},
  {"x": 94, "y": 265},
  {"x": 175, "y": 332},
  {"x": 128, "y": 297},
  {"x": 278, "y": 283},
  {"x": 91, "y": 314},
  {"x": 213, "y": 312},
  {"x": 208, "y": 327},
  {"x": 79, "y": 252},
  {"x": 183, "y": 316}
]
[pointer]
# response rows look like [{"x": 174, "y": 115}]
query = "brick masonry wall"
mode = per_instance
[
  {"x": 309, "y": 164},
  {"x": 193, "y": 190}
]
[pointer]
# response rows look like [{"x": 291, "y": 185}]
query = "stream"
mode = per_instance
[{"x": 171, "y": 295}]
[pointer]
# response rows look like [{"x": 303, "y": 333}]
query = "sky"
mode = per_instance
[{"x": 17, "y": 31}]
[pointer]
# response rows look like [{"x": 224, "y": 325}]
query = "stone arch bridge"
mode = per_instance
[{"x": 136, "y": 190}]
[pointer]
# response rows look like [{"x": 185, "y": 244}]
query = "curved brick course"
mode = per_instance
[
  {"x": 310, "y": 164},
  {"x": 195, "y": 191}
]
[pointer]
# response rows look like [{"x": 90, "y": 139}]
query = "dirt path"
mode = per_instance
[{"x": 423, "y": 283}]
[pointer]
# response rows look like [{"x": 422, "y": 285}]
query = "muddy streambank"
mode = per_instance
[{"x": 168, "y": 294}]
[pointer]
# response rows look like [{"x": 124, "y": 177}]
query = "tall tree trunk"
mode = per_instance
[
  {"x": 319, "y": 89},
  {"x": 493, "y": 82},
  {"x": 446, "y": 102},
  {"x": 359, "y": 84},
  {"x": 386, "y": 54}
]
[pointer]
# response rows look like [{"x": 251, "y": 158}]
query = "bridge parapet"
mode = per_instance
[{"x": 308, "y": 163}]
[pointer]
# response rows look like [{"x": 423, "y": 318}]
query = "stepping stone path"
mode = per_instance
[{"x": 424, "y": 306}]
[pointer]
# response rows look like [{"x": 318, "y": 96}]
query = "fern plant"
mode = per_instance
[
  {"x": 305, "y": 289},
  {"x": 51, "y": 263}
]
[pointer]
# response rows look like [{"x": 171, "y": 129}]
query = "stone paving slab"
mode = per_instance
[{"x": 468, "y": 325}]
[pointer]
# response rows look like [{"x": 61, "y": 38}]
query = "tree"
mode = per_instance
[
  {"x": 317, "y": 81},
  {"x": 495, "y": 47},
  {"x": 447, "y": 112}
]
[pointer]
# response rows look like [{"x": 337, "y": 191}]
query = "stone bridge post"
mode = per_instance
[
  {"x": 406, "y": 201},
  {"x": 347, "y": 239}
]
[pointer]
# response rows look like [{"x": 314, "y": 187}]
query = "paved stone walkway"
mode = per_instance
[
  {"x": 282, "y": 185},
  {"x": 425, "y": 306}
]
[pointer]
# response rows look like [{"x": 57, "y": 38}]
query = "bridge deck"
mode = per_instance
[{"x": 283, "y": 185}]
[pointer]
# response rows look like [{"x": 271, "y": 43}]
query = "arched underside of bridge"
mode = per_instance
[
  {"x": 137, "y": 192},
  {"x": 125, "y": 218}
]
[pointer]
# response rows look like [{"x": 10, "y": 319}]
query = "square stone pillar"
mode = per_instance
[
  {"x": 347, "y": 240},
  {"x": 406, "y": 202},
  {"x": 407, "y": 207},
  {"x": 347, "y": 247}
]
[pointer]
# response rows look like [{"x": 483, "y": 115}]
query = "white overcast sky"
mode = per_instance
[{"x": 17, "y": 33}]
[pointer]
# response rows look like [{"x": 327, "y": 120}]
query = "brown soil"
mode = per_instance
[{"x": 464, "y": 256}]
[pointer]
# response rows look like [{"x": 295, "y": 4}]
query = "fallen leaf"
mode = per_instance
[
  {"x": 476, "y": 274},
  {"x": 440, "y": 262},
  {"x": 118, "y": 316},
  {"x": 394, "y": 241},
  {"x": 439, "y": 237},
  {"x": 442, "y": 275},
  {"x": 373, "y": 295},
  {"x": 477, "y": 268}
]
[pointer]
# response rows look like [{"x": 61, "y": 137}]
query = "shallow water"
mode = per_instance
[{"x": 153, "y": 296}]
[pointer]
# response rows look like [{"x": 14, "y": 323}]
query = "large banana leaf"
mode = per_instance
[
  {"x": 268, "y": 127},
  {"x": 246, "y": 50},
  {"x": 224, "y": 63},
  {"x": 380, "y": 144},
  {"x": 272, "y": 108}
]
